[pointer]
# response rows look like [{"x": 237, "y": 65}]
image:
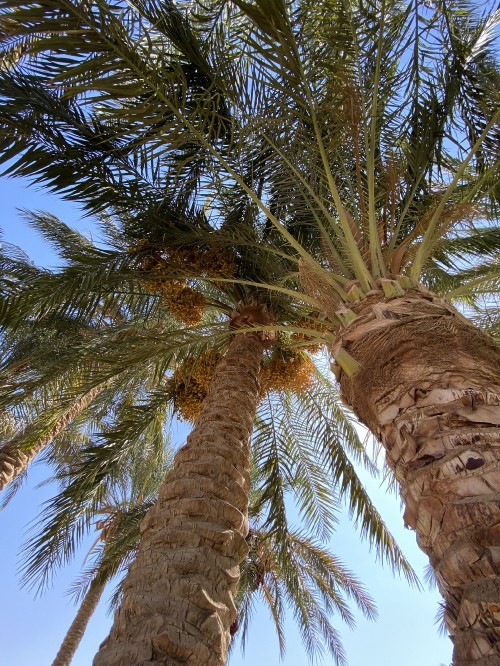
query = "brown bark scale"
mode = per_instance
[
  {"x": 178, "y": 603},
  {"x": 429, "y": 389}
]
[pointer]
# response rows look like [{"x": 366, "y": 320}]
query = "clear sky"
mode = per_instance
[{"x": 404, "y": 635}]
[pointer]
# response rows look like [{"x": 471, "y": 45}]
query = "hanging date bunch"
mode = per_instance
[
  {"x": 313, "y": 342},
  {"x": 286, "y": 370},
  {"x": 283, "y": 370},
  {"x": 190, "y": 384},
  {"x": 184, "y": 302},
  {"x": 259, "y": 561},
  {"x": 210, "y": 260}
]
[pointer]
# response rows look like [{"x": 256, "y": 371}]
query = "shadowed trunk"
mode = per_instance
[
  {"x": 14, "y": 459},
  {"x": 429, "y": 389},
  {"x": 178, "y": 603},
  {"x": 75, "y": 632}
]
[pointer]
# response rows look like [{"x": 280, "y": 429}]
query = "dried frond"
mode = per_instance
[{"x": 314, "y": 284}]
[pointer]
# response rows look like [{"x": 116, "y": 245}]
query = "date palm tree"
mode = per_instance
[
  {"x": 364, "y": 137},
  {"x": 129, "y": 351},
  {"x": 307, "y": 574},
  {"x": 305, "y": 477}
]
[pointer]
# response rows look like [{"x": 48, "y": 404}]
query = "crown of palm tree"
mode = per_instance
[
  {"x": 370, "y": 141},
  {"x": 295, "y": 458},
  {"x": 361, "y": 151}
]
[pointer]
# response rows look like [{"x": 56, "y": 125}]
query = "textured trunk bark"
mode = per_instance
[
  {"x": 178, "y": 595},
  {"x": 14, "y": 460},
  {"x": 429, "y": 389},
  {"x": 77, "y": 629}
]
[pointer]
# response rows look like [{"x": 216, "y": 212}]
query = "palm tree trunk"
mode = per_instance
[
  {"x": 14, "y": 459},
  {"x": 178, "y": 595},
  {"x": 77, "y": 629},
  {"x": 429, "y": 389}
]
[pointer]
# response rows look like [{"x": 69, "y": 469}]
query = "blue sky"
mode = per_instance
[{"x": 404, "y": 635}]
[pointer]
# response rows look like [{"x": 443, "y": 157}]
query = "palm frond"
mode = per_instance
[{"x": 86, "y": 485}]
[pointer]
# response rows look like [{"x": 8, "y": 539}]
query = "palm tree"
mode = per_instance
[
  {"x": 77, "y": 629},
  {"x": 307, "y": 574},
  {"x": 42, "y": 397},
  {"x": 294, "y": 571},
  {"x": 37, "y": 297},
  {"x": 56, "y": 545},
  {"x": 14, "y": 461},
  {"x": 365, "y": 136}
]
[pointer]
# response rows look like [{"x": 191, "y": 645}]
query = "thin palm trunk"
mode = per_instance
[
  {"x": 178, "y": 596},
  {"x": 77, "y": 629},
  {"x": 429, "y": 389},
  {"x": 14, "y": 459}
]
